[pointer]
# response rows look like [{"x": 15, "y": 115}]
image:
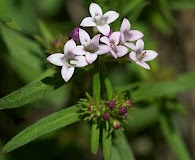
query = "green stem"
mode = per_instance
[
  {"x": 107, "y": 82},
  {"x": 96, "y": 81}
]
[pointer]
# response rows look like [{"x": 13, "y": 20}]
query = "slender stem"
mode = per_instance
[
  {"x": 107, "y": 82},
  {"x": 96, "y": 81}
]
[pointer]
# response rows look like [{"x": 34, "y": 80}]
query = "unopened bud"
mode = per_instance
[
  {"x": 106, "y": 116},
  {"x": 122, "y": 110}
]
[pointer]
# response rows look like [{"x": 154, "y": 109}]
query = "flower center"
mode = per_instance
[
  {"x": 99, "y": 20},
  {"x": 141, "y": 55}
]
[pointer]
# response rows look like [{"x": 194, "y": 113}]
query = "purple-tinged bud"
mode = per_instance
[
  {"x": 75, "y": 35},
  {"x": 106, "y": 116},
  {"x": 90, "y": 108},
  {"x": 111, "y": 104},
  {"x": 122, "y": 110},
  {"x": 129, "y": 103},
  {"x": 116, "y": 125}
]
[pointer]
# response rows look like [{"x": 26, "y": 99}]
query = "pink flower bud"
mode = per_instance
[
  {"x": 106, "y": 116},
  {"x": 75, "y": 35},
  {"x": 122, "y": 110},
  {"x": 111, "y": 104}
]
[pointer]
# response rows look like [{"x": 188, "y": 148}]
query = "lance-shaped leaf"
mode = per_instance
[
  {"x": 4, "y": 15},
  {"x": 95, "y": 136},
  {"x": 46, "y": 125},
  {"x": 173, "y": 137},
  {"x": 31, "y": 92},
  {"x": 25, "y": 55},
  {"x": 121, "y": 147}
]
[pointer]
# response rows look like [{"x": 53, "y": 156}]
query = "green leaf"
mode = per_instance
[
  {"x": 31, "y": 92},
  {"x": 45, "y": 31},
  {"x": 26, "y": 56},
  {"x": 96, "y": 81},
  {"x": 4, "y": 15},
  {"x": 95, "y": 135},
  {"x": 106, "y": 142},
  {"x": 173, "y": 137},
  {"x": 122, "y": 147},
  {"x": 46, "y": 125},
  {"x": 146, "y": 91},
  {"x": 107, "y": 82}
]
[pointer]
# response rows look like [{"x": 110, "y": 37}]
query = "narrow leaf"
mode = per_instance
[
  {"x": 31, "y": 92},
  {"x": 96, "y": 81},
  {"x": 107, "y": 82},
  {"x": 121, "y": 145},
  {"x": 4, "y": 16},
  {"x": 46, "y": 125},
  {"x": 95, "y": 135},
  {"x": 24, "y": 54},
  {"x": 173, "y": 137},
  {"x": 106, "y": 142},
  {"x": 45, "y": 31},
  {"x": 144, "y": 91}
]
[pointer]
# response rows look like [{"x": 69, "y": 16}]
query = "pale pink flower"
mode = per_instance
[
  {"x": 128, "y": 35},
  {"x": 90, "y": 47},
  {"x": 98, "y": 19},
  {"x": 141, "y": 56},
  {"x": 116, "y": 50},
  {"x": 68, "y": 60}
]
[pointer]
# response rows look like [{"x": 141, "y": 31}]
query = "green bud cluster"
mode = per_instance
[{"x": 114, "y": 111}]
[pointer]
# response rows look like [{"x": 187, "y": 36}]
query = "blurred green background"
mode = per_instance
[{"x": 28, "y": 29}]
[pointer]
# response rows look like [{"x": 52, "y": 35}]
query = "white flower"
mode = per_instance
[
  {"x": 127, "y": 35},
  {"x": 90, "y": 47},
  {"x": 99, "y": 19},
  {"x": 141, "y": 56},
  {"x": 68, "y": 60},
  {"x": 116, "y": 50}
]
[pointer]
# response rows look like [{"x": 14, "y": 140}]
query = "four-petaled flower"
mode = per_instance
[
  {"x": 127, "y": 35},
  {"x": 113, "y": 41},
  {"x": 98, "y": 19},
  {"x": 68, "y": 60},
  {"x": 141, "y": 56},
  {"x": 90, "y": 47}
]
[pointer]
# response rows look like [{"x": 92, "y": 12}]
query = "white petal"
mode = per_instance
[
  {"x": 69, "y": 46},
  {"x": 67, "y": 72},
  {"x": 82, "y": 62},
  {"x": 91, "y": 57},
  {"x": 121, "y": 51},
  {"x": 105, "y": 40},
  {"x": 132, "y": 55},
  {"x": 95, "y": 41},
  {"x": 56, "y": 59},
  {"x": 130, "y": 45},
  {"x": 87, "y": 22},
  {"x": 105, "y": 29},
  {"x": 95, "y": 9},
  {"x": 114, "y": 38},
  {"x": 125, "y": 26},
  {"x": 79, "y": 50},
  {"x": 143, "y": 64},
  {"x": 84, "y": 37},
  {"x": 103, "y": 49},
  {"x": 149, "y": 55},
  {"x": 113, "y": 54},
  {"x": 135, "y": 35},
  {"x": 110, "y": 16},
  {"x": 139, "y": 45}
]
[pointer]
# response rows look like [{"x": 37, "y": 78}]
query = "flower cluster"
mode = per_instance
[
  {"x": 82, "y": 50},
  {"x": 114, "y": 111}
]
